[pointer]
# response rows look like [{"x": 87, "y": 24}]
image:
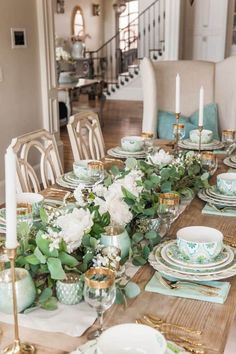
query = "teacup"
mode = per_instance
[
  {"x": 25, "y": 290},
  {"x": 34, "y": 200},
  {"x": 226, "y": 183},
  {"x": 81, "y": 170},
  {"x": 131, "y": 338},
  {"x": 206, "y": 136},
  {"x": 199, "y": 243},
  {"x": 132, "y": 143}
]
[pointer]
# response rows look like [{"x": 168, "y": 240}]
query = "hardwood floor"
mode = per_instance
[{"x": 120, "y": 118}]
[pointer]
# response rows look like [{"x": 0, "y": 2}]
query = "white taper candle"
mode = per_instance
[
  {"x": 10, "y": 189},
  {"x": 201, "y": 105},
  {"x": 177, "y": 94}
]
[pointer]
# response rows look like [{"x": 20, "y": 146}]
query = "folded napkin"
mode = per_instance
[
  {"x": 91, "y": 348},
  {"x": 68, "y": 319},
  {"x": 222, "y": 152},
  {"x": 189, "y": 292},
  {"x": 224, "y": 212}
]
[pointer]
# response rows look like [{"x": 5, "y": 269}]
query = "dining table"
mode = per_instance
[{"x": 212, "y": 319}]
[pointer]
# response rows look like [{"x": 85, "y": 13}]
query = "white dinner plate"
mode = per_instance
[
  {"x": 228, "y": 162},
  {"x": 170, "y": 254},
  {"x": 113, "y": 152},
  {"x": 216, "y": 201},
  {"x": 215, "y": 193},
  {"x": 119, "y": 150},
  {"x": 187, "y": 144}
]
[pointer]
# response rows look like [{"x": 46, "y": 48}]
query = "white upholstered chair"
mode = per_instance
[
  {"x": 218, "y": 80},
  {"x": 86, "y": 136},
  {"x": 38, "y": 161}
]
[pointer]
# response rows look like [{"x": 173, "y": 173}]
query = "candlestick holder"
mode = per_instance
[
  {"x": 200, "y": 128},
  {"x": 177, "y": 115},
  {"x": 16, "y": 347}
]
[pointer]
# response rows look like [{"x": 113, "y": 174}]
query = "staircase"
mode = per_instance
[{"x": 119, "y": 69}]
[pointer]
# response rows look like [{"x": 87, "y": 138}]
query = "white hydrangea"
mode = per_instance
[
  {"x": 100, "y": 190},
  {"x": 118, "y": 210}
]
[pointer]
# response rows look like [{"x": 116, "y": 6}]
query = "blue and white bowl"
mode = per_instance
[
  {"x": 81, "y": 170},
  {"x": 226, "y": 183},
  {"x": 206, "y": 136},
  {"x": 199, "y": 243},
  {"x": 132, "y": 143}
]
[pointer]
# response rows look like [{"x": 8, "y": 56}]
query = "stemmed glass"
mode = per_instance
[
  {"x": 148, "y": 141},
  {"x": 209, "y": 162},
  {"x": 179, "y": 129},
  {"x": 96, "y": 171},
  {"x": 168, "y": 208},
  {"x": 228, "y": 137},
  {"x": 99, "y": 293}
]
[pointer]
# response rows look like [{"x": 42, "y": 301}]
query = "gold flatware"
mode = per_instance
[
  {"x": 186, "y": 343},
  {"x": 158, "y": 320},
  {"x": 202, "y": 288}
]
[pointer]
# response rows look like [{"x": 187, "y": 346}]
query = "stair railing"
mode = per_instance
[{"x": 109, "y": 61}]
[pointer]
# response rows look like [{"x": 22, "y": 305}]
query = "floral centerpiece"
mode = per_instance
[{"x": 68, "y": 238}]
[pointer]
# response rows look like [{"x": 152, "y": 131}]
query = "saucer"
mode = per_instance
[{"x": 172, "y": 251}]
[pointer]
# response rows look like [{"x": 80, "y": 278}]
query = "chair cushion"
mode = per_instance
[{"x": 167, "y": 119}]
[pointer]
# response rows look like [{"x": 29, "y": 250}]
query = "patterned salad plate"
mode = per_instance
[
  {"x": 200, "y": 274},
  {"x": 120, "y": 153},
  {"x": 69, "y": 180},
  {"x": 215, "y": 193},
  {"x": 188, "y": 144},
  {"x": 171, "y": 254}
]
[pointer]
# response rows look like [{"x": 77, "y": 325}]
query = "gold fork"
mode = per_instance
[{"x": 158, "y": 320}]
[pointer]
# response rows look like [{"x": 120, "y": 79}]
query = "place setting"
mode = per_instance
[
  {"x": 85, "y": 172},
  {"x": 191, "y": 265},
  {"x": 133, "y": 146},
  {"x": 201, "y": 140},
  {"x": 220, "y": 198}
]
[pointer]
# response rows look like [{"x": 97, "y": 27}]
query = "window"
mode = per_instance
[
  {"x": 128, "y": 30},
  {"x": 77, "y": 22}
]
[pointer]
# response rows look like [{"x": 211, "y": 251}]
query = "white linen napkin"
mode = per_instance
[{"x": 72, "y": 320}]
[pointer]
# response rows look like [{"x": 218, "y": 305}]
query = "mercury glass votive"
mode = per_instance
[
  {"x": 69, "y": 290},
  {"x": 180, "y": 130}
]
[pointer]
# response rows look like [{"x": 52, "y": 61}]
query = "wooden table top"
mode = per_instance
[{"x": 214, "y": 320}]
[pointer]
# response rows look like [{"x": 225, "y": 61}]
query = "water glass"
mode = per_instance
[
  {"x": 228, "y": 137},
  {"x": 148, "y": 141},
  {"x": 178, "y": 129},
  {"x": 209, "y": 162},
  {"x": 99, "y": 293},
  {"x": 168, "y": 207},
  {"x": 96, "y": 170}
]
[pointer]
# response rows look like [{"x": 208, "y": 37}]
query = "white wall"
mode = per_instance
[
  {"x": 93, "y": 24},
  {"x": 20, "y": 97}
]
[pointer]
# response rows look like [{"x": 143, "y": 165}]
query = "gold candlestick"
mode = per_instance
[
  {"x": 177, "y": 115},
  {"x": 16, "y": 347},
  {"x": 200, "y": 128}
]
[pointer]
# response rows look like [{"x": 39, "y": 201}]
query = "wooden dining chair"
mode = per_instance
[
  {"x": 37, "y": 159},
  {"x": 86, "y": 136}
]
